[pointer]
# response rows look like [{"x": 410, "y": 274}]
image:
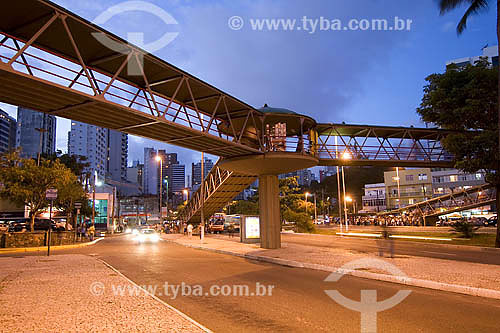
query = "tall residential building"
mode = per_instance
[
  {"x": 7, "y": 132},
  {"x": 106, "y": 150},
  {"x": 176, "y": 177},
  {"x": 150, "y": 172},
  {"x": 196, "y": 172},
  {"x": 134, "y": 173},
  {"x": 490, "y": 52},
  {"x": 305, "y": 177},
  {"x": 117, "y": 155},
  {"x": 91, "y": 142},
  {"x": 34, "y": 130},
  {"x": 168, "y": 159}
]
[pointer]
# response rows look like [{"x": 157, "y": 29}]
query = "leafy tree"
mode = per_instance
[
  {"x": 69, "y": 191},
  {"x": 25, "y": 183},
  {"x": 245, "y": 207},
  {"x": 474, "y": 8},
  {"x": 75, "y": 163},
  {"x": 301, "y": 219},
  {"x": 465, "y": 98}
]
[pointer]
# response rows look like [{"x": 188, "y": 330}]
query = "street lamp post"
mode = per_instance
[
  {"x": 338, "y": 185},
  {"x": 159, "y": 159},
  {"x": 349, "y": 199},
  {"x": 399, "y": 193},
  {"x": 202, "y": 193},
  {"x": 315, "y": 209},
  {"x": 345, "y": 156},
  {"x": 94, "y": 184},
  {"x": 306, "y": 195}
]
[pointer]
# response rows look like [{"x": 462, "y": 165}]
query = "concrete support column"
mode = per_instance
[{"x": 269, "y": 207}]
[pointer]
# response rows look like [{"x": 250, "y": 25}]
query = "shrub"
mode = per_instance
[
  {"x": 302, "y": 220},
  {"x": 465, "y": 228}
]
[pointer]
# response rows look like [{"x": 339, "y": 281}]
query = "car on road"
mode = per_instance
[
  {"x": 216, "y": 227},
  {"x": 147, "y": 236}
]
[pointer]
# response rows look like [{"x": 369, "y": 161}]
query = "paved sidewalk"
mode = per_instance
[
  {"x": 74, "y": 293},
  {"x": 462, "y": 277}
]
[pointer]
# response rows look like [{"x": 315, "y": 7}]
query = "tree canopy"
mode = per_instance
[
  {"x": 464, "y": 98},
  {"x": 25, "y": 183}
]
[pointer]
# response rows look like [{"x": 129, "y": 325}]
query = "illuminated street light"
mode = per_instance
[
  {"x": 159, "y": 159},
  {"x": 307, "y": 194},
  {"x": 346, "y": 155},
  {"x": 348, "y": 199}
]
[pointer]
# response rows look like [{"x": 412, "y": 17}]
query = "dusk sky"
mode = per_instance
[{"x": 359, "y": 77}]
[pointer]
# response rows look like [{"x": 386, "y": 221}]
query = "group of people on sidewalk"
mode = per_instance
[{"x": 84, "y": 231}]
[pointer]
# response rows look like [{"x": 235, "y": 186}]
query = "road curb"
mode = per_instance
[
  {"x": 180, "y": 313},
  {"x": 44, "y": 248},
  {"x": 404, "y": 280},
  {"x": 454, "y": 246}
]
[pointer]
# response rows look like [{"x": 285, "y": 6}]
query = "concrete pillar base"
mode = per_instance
[{"x": 269, "y": 207}]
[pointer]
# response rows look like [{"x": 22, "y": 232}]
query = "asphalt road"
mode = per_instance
[
  {"x": 298, "y": 302},
  {"x": 420, "y": 249}
]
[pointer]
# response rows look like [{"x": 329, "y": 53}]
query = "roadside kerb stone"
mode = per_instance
[{"x": 415, "y": 282}]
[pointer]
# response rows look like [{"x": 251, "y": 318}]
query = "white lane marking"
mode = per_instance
[{"x": 444, "y": 254}]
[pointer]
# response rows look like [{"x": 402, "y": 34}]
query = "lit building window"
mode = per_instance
[{"x": 453, "y": 178}]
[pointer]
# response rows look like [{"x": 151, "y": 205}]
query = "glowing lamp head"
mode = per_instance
[
  {"x": 158, "y": 158},
  {"x": 346, "y": 155},
  {"x": 348, "y": 199}
]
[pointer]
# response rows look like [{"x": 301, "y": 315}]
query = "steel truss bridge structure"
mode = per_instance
[
  {"x": 54, "y": 61},
  {"x": 474, "y": 197}
]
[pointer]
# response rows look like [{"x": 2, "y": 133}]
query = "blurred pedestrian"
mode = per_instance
[
  {"x": 190, "y": 230},
  {"x": 91, "y": 232},
  {"x": 385, "y": 243}
]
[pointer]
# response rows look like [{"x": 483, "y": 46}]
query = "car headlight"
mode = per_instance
[
  {"x": 135, "y": 232},
  {"x": 128, "y": 231}
]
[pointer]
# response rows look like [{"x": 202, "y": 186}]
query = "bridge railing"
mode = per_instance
[{"x": 390, "y": 144}]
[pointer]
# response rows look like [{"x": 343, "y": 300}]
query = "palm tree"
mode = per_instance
[{"x": 475, "y": 7}]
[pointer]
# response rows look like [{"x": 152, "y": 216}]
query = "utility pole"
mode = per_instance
[
  {"x": 315, "y": 210},
  {"x": 345, "y": 203}
]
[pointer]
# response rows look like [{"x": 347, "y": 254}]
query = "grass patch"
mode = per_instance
[{"x": 484, "y": 240}]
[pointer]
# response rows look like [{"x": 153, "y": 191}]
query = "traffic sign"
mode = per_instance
[{"x": 51, "y": 193}]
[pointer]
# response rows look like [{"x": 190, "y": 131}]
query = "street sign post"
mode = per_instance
[{"x": 50, "y": 194}]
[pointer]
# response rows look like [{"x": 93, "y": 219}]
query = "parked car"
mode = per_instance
[
  {"x": 4, "y": 226},
  {"x": 20, "y": 225},
  {"x": 491, "y": 222}
]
